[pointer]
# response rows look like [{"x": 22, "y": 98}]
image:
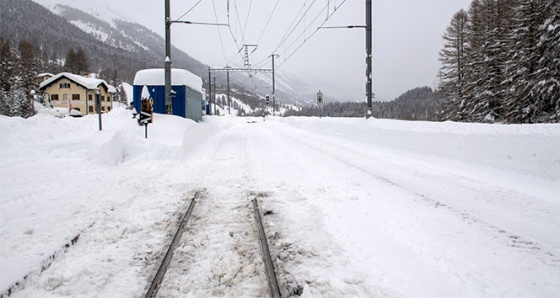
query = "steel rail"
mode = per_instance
[
  {"x": 154, "y": 287},
  {"x": 273, "y": 289}
]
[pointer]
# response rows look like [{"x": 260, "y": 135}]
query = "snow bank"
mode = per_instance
[
  {"x": 106, "y": 147},
  {"x": 524, "y": 149}
]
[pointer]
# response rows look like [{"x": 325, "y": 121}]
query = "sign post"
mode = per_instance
[
  {"x": 320, "y": 102},
  {"x": 146, "y": 113}
]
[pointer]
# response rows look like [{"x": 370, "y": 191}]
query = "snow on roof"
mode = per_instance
[
  {"x": 179, "y": 77},
  {"x": 88, "y": 83},
  {"x": 45, "y": 74}
]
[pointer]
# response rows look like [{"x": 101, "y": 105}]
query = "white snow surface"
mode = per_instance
[
  {"x": 355, "y": 207},
  {"x": 179, "y": 77}
]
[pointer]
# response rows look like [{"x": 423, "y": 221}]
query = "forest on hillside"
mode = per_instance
[
  {"x": 417, "y": 104},
  {"x": 20, "y": 65}
]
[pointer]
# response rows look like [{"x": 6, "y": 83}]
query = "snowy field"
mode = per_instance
[{"x": 356, "y": 208}]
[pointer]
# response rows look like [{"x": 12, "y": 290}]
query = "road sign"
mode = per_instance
[{"x": 145, "y": 118}]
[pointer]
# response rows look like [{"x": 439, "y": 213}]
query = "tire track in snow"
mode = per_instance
[
  {"x": 515, "y": 246},
  {"x": 511, "y": 238}
]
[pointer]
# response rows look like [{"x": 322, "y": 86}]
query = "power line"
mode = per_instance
[
  {"x": 248, "y": 14},
  {"x": 292, "y": 29},
  {"x": 189, "y": 10},
  {"x": 239, "y": 21},
  {"x": 219, "y": 32},
  {"x": 312, "y": 34},
  {"x": 268, "y": 21}
]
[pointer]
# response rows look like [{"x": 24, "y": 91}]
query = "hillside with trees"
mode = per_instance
[
  {"x": 34, "y": 40},
  {"x": 417, "y": 104},
  {"x": 500, "y": 62}
]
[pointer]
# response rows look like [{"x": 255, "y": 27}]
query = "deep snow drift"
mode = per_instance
[{"x": 357, "y": 208}]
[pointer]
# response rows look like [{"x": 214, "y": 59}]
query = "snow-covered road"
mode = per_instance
[{"x": 355, "y": 207}]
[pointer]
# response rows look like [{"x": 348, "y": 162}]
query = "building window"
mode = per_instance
[
  {"x": 54, "y": 96},
  {"x": 108, "y": 98},
  {"x": 102, "y": 98},
  {"x": 75, "y": 96},
  {"x": 90, "y": 97},
  {"x": 64, "y": 85},
  {"x": 102, "y": 109},
  {"x": 91, "y": 108},
  {"x": 108, "y": 109}
]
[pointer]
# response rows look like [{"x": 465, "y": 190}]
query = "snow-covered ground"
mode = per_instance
[{"x": 355, "y": 207}]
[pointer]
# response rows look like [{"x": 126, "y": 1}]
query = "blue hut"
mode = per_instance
[{"x": 186, "y": 94}]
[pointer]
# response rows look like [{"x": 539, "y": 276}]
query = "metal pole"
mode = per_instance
[
  {"x": 273, "y": 86},
  {"x": 98, "y": 103},
  {"x": 228, "y": 89},
  {"x": 209, "y": 91},
  {"x": 214, "y": 96},
  {"x": 168, "y": 57},
  {"x": 368, "y": 59}
]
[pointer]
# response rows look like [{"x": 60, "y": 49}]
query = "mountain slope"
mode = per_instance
[
  {"x": 111, "y": 43},
  {"x": 126, "y": 47}
]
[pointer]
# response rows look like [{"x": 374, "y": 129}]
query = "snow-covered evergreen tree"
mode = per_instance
[
  {"x": 451, "y": 74},
  {"x": 547, "y": 77},
  {"x": 511, "y": 64},
  {"x": 7, "y": 64},
  {"x": 520, "y": 68},
  {"x": 76, "y": 62}
]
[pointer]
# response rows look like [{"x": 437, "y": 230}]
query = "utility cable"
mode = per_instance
[
  {"x": 219, "y": 32},
  {"x": 308, "y": 38},
  {"x": 268, "y": 21},
  {"x": 189, "y": 10}
]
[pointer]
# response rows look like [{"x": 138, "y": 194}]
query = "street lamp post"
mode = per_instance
[
  {"x": 32, "y": 102},
  {"x": 98, "y": 106}
]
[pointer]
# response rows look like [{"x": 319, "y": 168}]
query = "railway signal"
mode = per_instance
[
  {"x": 320, "y": 102},
  {"x": 267, "y": 99}
]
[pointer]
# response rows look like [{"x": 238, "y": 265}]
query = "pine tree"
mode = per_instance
[
  {"x": 4, "y": 109},
  {"x": 452, "y": 68},
  {"x": 71, "y": 61},
  {"x": 28, "y": 65},
  {"x": 82, "y": 62},
  {"x": 547, "y": 77},
  {"x": 473, "y": 62},
  {"x": 18, "y": 103},
  {"x": 524, "y": 56},
  {"x": 7, "y": 64}
]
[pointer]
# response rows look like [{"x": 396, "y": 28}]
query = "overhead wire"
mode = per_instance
[
  {"x": 312, "y": 34},
  {"x": 219, "y": 32},
  {"x": 247, "y": 18},
  {"x": 239, "y": 21},
  {"x": 268, "y": 21},
  {"x": 288, "y": 50},
  {"x": 293, "y": 27},
  {"x": 193, "y": 7}
]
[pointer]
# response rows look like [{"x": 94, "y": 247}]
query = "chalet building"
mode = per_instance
[
  {"x": 78, "y": 93},
  {"x": 43, "y": 77}
]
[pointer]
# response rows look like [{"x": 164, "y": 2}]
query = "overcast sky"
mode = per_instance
[{"x": 406, "y": 38}]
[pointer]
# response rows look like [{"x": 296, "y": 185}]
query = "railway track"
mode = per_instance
[{"x": 191, "y": 243}]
